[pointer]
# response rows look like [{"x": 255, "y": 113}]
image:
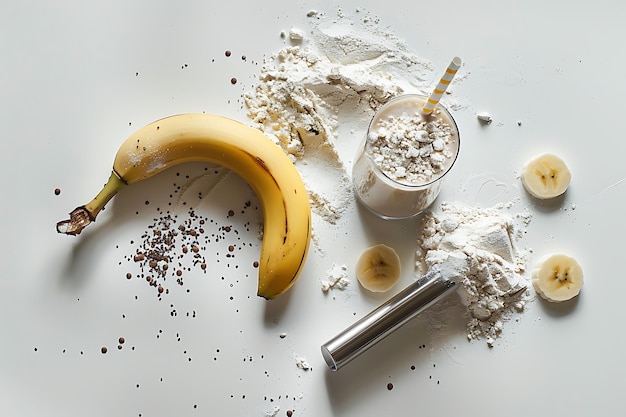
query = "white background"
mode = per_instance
[{"x": 78, "y": 77}]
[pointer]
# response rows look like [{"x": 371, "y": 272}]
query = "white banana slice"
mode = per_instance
[
  {"x": 557, "y": 277},
  {"x": 546, "y": 176},
  {"x": 378, "y": 268}
]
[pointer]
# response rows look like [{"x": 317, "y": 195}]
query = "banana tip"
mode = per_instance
[{"x": 79, "y": 219}]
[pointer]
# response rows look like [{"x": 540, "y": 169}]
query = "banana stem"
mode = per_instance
[{"x": 82, "y": 216}]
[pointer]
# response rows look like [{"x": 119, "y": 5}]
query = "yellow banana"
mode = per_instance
[{"x": 243, "y": 150}]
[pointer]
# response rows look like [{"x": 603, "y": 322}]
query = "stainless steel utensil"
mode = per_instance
[{"x": 408, "y": 303}]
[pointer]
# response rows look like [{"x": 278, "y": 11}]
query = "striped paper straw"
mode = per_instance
[{"x": 442, "y": 85}]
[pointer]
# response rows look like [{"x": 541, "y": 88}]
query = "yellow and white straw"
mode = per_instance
[{"x": 447, "y": 76}]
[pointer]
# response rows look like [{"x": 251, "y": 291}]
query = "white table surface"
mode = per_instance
[{"x": 78, "y": 77}]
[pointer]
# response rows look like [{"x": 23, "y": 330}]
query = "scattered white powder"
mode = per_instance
[
  {"x": 316, "y": 97},
  {"x": 336, "y": 277},
  {"x": 409, "y": 149},
  {"x": 495, "y": 288},
  {"x": 302, "y": 363},
  {"x": 273, "y": 412},
  {"x": 296, "y": 34}
]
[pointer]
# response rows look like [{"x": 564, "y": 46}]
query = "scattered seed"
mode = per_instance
[
  {"x": 104, "y": 349},
  {"x": 390, "y": 386},
  {"x": 233, "y": 80},
  {"x": 227, "y": 53},
  {"x": 57, "y": 191}
]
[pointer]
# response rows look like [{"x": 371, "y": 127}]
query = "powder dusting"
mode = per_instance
[
  {"x": 316, "y": 96},
  {"x": 495, "y": 288}
]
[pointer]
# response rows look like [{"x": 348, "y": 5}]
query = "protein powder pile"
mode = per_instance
[
  {"x": 315, "y": 97},
  {"x": 495, "y": 288}
]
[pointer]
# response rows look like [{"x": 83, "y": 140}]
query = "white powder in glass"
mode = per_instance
[
  {"x": 316, "y": 97},
  {"x": 484, "y": 117},
  {"x": 408, "y": 149},
  {"x": 490, "y": 290}
]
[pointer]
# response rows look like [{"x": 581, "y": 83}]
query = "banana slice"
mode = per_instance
[
  {"x": 546, "y": 176},
  {"x": 378, "y": 268},
  {"x": 557, "y": 277}
]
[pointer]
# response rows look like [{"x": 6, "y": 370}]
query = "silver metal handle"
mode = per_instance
[{"x": 381, "y": 322}]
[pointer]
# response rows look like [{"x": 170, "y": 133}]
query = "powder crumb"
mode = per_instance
[
  {"x": 296, "y": 34},
  {"x": 484, "y": 118},
  {"x": 336, "y": 278},
  {"x": 273, "y": 412},
  {"x": 302, "y": 363},
  {"x": 495, "y": 288}
]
